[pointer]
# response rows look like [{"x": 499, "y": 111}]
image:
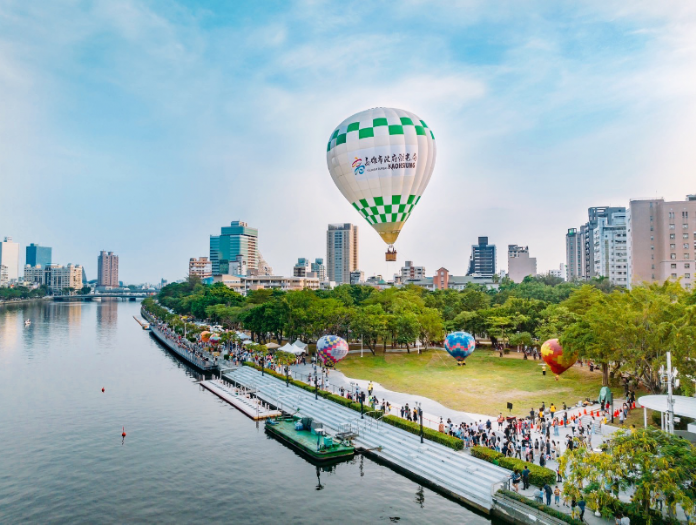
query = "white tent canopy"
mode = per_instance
[
  {"x": 242, "y": 336},
  {"x": 683, "y": 406},
  {"x": 291, "y": 349},
  {"x": 300, "y": 344}
]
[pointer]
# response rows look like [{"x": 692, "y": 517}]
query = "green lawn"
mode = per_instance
[{"x": 484, "y": 385}]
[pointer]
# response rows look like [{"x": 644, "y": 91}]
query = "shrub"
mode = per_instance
[
  {"x": 538, "y": 476},
  {"x": 486, "y": 454},
  {"x": 540, "y": 506},
  {"x": 428, "y": 433}
]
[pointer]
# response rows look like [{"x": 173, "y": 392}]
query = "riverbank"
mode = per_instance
[{"x": 30, "y": 300}]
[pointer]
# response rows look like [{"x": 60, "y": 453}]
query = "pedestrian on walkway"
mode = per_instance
[
  {"x": 581, "y": 506},
  {"x": 548, "y": 492},
  {"x": 525, "y": 478},
  {"x": 556, "y": 496}
]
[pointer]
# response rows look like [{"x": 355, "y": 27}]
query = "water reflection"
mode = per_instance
[{"x": 107, "y": 313}]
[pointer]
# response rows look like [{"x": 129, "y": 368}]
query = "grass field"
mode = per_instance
[{"x": 485, "y": 385}]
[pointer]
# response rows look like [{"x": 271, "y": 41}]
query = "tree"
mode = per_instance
[
  {"x": 650, "y": 461},
  {"x": 430, "y": 326},
  {"x": 370, "y": 323},
  {"x": 85, "y": 290}
]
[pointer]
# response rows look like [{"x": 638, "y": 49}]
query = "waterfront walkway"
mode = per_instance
[{"x": 459, "y": 475}]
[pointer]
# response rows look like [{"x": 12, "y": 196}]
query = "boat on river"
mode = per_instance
[
  {"x": 27, "y": 322},
  {"x": 309, "y": 437}
]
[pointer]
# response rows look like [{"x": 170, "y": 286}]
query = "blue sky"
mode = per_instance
[{"x": 141, "y": 127}]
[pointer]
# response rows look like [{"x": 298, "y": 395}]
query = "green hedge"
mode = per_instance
[
  {"x": 409, "y": 426},
  {"x": 428, "y": 433},
  {"x": 538, "y": 476},
  {"x": 540, "y": 506}
]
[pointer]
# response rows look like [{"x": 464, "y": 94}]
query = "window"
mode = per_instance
[
  {"x": 687, "y": 276},
  {"x": 674, "y": 276},
  {"x": 687, "y": 265},
  {"x": 671, "y": 226},
  {"x": 685, "y": 236},
  {"x": 685, "y": 215},
  {"x": 653, "y": 266},
  {"x": 671, "y": 215},
  {"x": 672, "y": 246},
  {"x": 652, "y": 247},
  {"x": 673, "y": 256},
  {"x": 685, "y": 226},
  {"x": 672, "y": 235},
  {"x": 686, "y": 245},
  {"x": 673, "y": 266},
  {"x": 686, "y": 256}
]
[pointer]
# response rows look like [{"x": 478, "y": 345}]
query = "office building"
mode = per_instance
[
  {"x": 341, "y": 252},
  {"x": 483, "y": 260},
  {"x": 561, "y": 273},
  {"x": 520, "y": 264},
  {"x": 661, "y": 241},
  {"x": 107, "y": 270},
  {"x": 610, "y": 257},
  {"x": 200, "y": 268},
  {"x": 9, "y": 257},
  {"x": 41, "y": 255},
  {"x": 60, "y": 278},
  {"x": 319, "y": 270},
  {"x": 443, "y": 280},
  {"x": 275, "y": 282},
  {"x": 4, "y": 277},
  {"x": 234, "y": 240},
  {"x": 357, "y": 277},
  {"x": 580, "y": 249},
  {"x": 409, "y": 272},
  {"x": 35, "y": 275}
]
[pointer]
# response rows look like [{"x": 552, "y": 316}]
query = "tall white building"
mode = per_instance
[
  {"x": 9, "y": 257},
  {"x": 610, "y": 248},
  {"x": 341, "y": 252},
  {"x": 4, "y": 279},
  {"x": 319, "y": 269},
  {"x": 520, "y": 264},
  {"x": 34, "y": 274}
]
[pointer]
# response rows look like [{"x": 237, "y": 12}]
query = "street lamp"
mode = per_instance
[
  {"x": 669, "y": 377},
  {"x": 420, "y": 415}
]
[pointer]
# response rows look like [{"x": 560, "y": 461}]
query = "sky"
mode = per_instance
[{"x": 142, "y": 127}]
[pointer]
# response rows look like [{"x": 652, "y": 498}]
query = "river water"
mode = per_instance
[{"x": 188, "y": 457}]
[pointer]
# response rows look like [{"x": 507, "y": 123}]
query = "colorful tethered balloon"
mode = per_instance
[
  {"x": 331, "y": 349},
  {"x": 460, "y": 345},
  {"x": 214, "y": 339},
  {"x": 205, "y": 336},
  {"x": 553, "y": 355},
  {"x": 382, "y": 159}
]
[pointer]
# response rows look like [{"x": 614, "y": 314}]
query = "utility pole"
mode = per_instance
[{"x": 669, "y": 376}]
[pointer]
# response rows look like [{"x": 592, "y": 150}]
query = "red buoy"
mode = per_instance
[
  {"x": 102, "y": 389},
  {"x": 124, "y": 432}
]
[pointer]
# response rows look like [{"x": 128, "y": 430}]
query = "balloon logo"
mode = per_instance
[
  {"x": 381, "y": 160},
  {"x": 553, "y": 355},
  {"x": 205, "y": 336},
  {"x": 331, "y": 349},
  {"x": 460, "y": 345}
]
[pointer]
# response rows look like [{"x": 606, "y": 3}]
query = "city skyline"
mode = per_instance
[{"x": 134, "y": 121}]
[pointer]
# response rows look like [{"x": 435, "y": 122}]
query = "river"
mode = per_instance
[{"x": 188, "y": 457}]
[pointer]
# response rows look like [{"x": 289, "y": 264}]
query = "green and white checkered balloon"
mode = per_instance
[{"x": 382, "y": 159}]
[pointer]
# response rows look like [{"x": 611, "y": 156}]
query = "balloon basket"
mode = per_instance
[{"x": 390, "y": 255}]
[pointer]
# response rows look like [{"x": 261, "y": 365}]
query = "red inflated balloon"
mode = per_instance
[{"x": 553, "y": 355}]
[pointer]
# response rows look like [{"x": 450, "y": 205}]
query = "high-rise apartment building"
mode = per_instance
[
  {"x": 9, "y": 257},
  {"x": 661, "y": 241},
  {"x": 341, "y": 252},
  {"x": 580, "y": 249},
  {"x": 409, "y": 272},
  {"x": 107, "y": 272},
  {"x": 236, "y": 239},
  {"x": 319, "y": 269},
  {"x": 482, "y": 260},
  {"x": 36, "y": 254},
  {"x": 35, "y": 274},
  {"x": 520, "y": 264},
  {"x": 4, "y": 278},
  {"x": 200, "y": 268},
  {"x": 610, "y": 257},
  {"x": 357, "y": 277},
  {"x": 301, "y": 269}
]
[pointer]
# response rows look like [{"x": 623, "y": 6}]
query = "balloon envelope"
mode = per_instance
[
  {"x": 214, "y": 339},
  {"x": 205, "y": 336},
  {"x": 553, "y": 355},
  {"x": 331, "y": 349},
  {"x": 460, "y": 345},
  {"x": 382, "y": 159}
]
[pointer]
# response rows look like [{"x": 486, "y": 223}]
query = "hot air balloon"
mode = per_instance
[
  {"x": 460, "y": 345},
  {"x": 553, "y": 355},
  {"x": 205, "y": 336},
  {"x": 214, "y": 339},
  {"x": 331, "y": 349},
  {"x": 382, "y": 159}
]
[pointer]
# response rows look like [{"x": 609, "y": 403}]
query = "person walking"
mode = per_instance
[
  {"x": 556, "y": 496},
  {"x": 525, "y": 478},
  {"x": 581, "y": 506},
  {"x": 370, "y": 388},
  {"x": 548, "y": 492}
]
